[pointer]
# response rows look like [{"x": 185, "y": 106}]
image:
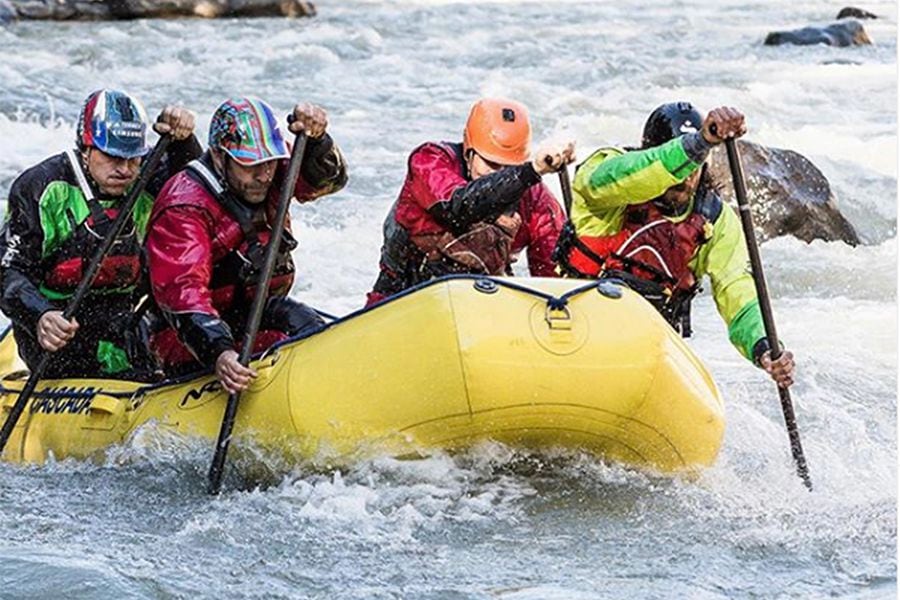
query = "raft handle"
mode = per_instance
[
  {"x": 558, "y": 317},
  {"x": 105, "y": 404}
]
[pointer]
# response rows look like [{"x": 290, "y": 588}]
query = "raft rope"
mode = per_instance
[
  {"x": 608, "y": 287},
  {"x": 554, "y": 302}
]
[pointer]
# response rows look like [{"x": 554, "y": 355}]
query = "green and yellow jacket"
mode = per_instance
[{"x": 611, "y": 180}]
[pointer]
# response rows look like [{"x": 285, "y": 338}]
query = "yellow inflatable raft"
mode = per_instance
[{"x": 532, "y": 363}]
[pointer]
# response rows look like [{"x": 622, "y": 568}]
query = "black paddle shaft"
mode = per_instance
[
  {"x": 566, "y": 186},
  {"x": 147, "y": 171},
  {"x": 284, "y": 201},
  {"x": 765, "y": 307}
]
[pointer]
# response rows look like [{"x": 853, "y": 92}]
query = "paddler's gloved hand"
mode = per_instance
[
  {"x": 723, "y": 123},
  {"x": 53, "y": 331},
  {"x": 233, "y": 376},
  {"x": 309, "y": 118},
  {"x": 550, "y": 157},
  {"x": 781, "y": 370},
  {"x": 175, "y": 120}
]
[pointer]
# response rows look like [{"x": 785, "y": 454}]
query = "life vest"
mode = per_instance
[
  {"x": 651, "y": 254},
  {"x": 235, "y": 276},
  {"x": 484, "y": 249},
  {"x": 120, "y": 269}
]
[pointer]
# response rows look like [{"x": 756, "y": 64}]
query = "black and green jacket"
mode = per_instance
[{"x": 55, "y": 220}]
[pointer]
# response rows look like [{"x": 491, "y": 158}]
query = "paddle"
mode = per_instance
[
  {"x": 81, "y": 291},
  {"x": 759, "y": 279},
  {"x": 566, "y": 186},
  {"x": 256, "y": 310}
]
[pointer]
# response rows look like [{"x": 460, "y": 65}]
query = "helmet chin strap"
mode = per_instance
[
  {"x": 220, "y": 157},
  {"x": 467, "y": 162},
  {"x": 86, "y": 170}
]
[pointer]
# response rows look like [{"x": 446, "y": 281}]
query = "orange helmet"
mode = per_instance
[{"x": 498, "y": 130}]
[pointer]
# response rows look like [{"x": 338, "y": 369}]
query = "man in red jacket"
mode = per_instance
[
  {"x": 208, "y": 232},
  {"x": 472, "y": 207}
]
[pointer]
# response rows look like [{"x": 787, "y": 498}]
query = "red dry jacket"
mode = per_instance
[
  {"x": 196, "y": 248},
  {"x": 436, "y": 171},
  {"x": 190, "y": 232}
]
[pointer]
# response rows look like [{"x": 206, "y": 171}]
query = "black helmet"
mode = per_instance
[{"x": 670, "y": 121}]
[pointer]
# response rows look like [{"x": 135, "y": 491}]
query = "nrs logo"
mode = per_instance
[{"x": 194, "y": 395}]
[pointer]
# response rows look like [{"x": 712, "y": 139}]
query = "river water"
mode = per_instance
[{"x": 491, "y": 523}]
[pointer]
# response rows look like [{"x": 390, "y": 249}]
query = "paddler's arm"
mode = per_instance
[
  {"x": 323, "y": 170},
  {"x": 724, "y": 257},
  {"x": 612, "y": 178},
  {"x": 184, "y": 147},
  {"x": 181, "y": 152},
  {"x": 21, "y": 242},
  {"x": 179, "y": 257},
  {"x": 453, "y": 201}
]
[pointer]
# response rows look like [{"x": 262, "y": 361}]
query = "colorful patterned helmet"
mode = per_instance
[
  {"x": 247, "y": 130},
  {"x": 113, "y": 122},
  {"x": 669, "y": 121},
  {"x": 498, "y": 130}
]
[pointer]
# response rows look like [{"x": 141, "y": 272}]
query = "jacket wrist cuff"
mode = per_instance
[
  {"x": 40, "y": 312},
  {"x": 321, "y": 145},
  {"x": 32, "y": 315},
  {"x": 206, "y": 336},
  {"x": 696, "y": 146},
  {"x": 216, "y": 349},
  {"x": 217, "y": 341},
  {"x": 761, "y": 347},
  {"x": 529, "y": 175}
]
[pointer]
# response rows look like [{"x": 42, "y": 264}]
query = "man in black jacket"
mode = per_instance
[{"x": 58, "y": 214}]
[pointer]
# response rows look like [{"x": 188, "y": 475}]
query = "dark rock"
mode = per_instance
[
  {"x": 851, "y": 12},
  {"x": 254, "y": 8},
  {"x": 147, "y": 9},
  {"x": 35, "y": 9},
  {"x": 7, "y": 12},
  {"x": 787, "y": 193},
  {"x": 841, "y": 61},
  {"x": 845, "y": 33}
]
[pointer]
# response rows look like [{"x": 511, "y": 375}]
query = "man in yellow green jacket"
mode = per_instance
[{"x": 652, "y": 218}]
